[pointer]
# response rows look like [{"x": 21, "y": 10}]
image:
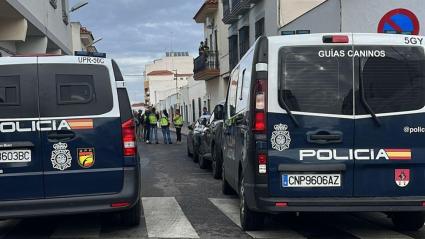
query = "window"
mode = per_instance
[
  {"x": 393, "y": 83},
  {"x": 259, "y": 28},
  {"x": 9, "y": 90},
  {"x": 200, "y": 107},
  {"x": 233, "y": 51},
  {"x": 18, "y": 91},
  {"x": 193, "y": 110},
  {"x": 75, "y": 89},
  {"x": 314, "y": 84},
  {"x": 79, "y": 90},
  {"x": 243, "y": 41},
  {"x": 244, "y": 84},
  {"x": 231, "y": 99}
]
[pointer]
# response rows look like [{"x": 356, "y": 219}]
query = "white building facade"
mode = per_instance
[
  {"x": 212, "y": 65},
  {"x": 35, "y": 27}
]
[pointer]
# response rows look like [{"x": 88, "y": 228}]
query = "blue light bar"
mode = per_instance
[{"x": 92, "y": 54}]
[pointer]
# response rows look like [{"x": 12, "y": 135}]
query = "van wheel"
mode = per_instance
[
  {"x": 408, "y": 221},
  {"x": 225, "y": 186},
  {"x": 203, "y": 163},
  {"x": 250, "y": 220},
  {"x": 216, "y": 163},
  {"x": 131, "y": 217}
]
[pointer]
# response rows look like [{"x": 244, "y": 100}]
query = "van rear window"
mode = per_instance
[
  {"x": 314, "y": 84},
  {"x": 18, "y": 91},
  {"x": 74, "y": 90},
  {"x": 393, "y": 83}
]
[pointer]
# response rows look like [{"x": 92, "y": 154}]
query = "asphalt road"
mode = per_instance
[{"x": 182, "y": 201}]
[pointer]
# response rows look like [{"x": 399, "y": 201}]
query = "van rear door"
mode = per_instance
[
  {"x": 309, "y": 154},
  {"x": 83, "y": 155},
  {"x": 21, "y": 165},
  {"x": 390, "y": 80}
]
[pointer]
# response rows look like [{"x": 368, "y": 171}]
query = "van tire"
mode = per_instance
[
  {"x": 225, "y": 186},
  {"x": 250, "y": 220},
  {"x": 408, "y": 221},
  {"x": 131, "y": 217},
  {"x": 216, "y": 162}
]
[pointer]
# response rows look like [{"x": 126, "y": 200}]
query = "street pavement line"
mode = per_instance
[
  {"x": 81, "y": 229},
  {"x": 230, "y": 208},
  {"x": 165, "y": 219}
]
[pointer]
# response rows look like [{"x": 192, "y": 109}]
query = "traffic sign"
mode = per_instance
[{"x": 400, "y": 21}]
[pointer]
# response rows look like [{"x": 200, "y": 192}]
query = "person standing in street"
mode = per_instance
[
  {"x": 153, "y": 121},
  {"x": 178, "y": 124},
  {"x": 147, "y": 126},
  {"x": 165, "y": 126}
]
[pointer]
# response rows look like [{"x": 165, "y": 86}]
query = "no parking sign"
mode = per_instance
[{"x": 401, "y": 21}]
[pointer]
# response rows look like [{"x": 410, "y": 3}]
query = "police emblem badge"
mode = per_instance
[
  {"x": 402, "y": 177},
  {"x": 281, "y": 139},
  {"x": 61, "y": 156},
  {"x": 86, "y": 157}
]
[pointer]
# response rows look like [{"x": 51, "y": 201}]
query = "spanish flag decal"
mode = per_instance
[
  {"x": 399, "y": 154},
  {"x": 81, "y": 124}
]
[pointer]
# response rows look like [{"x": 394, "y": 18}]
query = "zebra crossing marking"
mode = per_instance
[
  {"x": 230, "y": 208},
  {"x": 165, "y": 219}
]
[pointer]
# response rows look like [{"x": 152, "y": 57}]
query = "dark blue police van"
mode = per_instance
[
  {"x": 328, "y": 123},
  {"x": 67, "y": 139}
]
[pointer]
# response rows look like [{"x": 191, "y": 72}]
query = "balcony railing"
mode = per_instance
[
  {"x": 229, "y": 17},
  {"x": 239, "y": 7},
  {"x": 206, "y": 66}
]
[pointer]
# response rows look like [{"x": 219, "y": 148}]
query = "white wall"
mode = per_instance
[{"x": 47, "y": 19}]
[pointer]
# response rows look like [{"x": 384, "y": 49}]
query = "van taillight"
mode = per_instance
[
  {"x": 129, "y": 138},
  {"x": 262, "y": 163},
  {"x": 260, "y": 106}
]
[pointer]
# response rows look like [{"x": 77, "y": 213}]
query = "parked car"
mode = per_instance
[
  {"x": 67, "y": 138},
  {"x": 324, "y": 122},
  {"x": 194, "y": 136},
  {"x": 210, "y": 150}
]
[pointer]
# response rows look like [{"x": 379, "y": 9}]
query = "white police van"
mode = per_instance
[
  {"x": 67, "y": 138},
  {"x": 328, "y": 122}
]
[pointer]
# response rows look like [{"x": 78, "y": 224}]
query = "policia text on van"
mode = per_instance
[
  {"x": 310, "y": 131},
  {"x": 67, "y": 139}
]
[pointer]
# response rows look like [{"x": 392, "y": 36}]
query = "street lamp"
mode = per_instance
[{"x": 79, "y": 5}]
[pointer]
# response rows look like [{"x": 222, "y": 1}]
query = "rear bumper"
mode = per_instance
[
  {"x": 257, "y": 199},
  {"x": 76, "y": 205}
]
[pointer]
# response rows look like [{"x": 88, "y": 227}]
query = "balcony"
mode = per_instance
[
  {"x": 229, "y": 17},
  {"x": 240, "y": 7},
  {"x": 207, "y": 66}
]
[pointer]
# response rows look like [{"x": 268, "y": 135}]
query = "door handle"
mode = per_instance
[
  {"x": 57, "y": 136},
  {"x": 324, "y": 137}
]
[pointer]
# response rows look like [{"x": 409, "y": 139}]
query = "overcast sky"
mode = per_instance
[{"x": 136, "y": 32}]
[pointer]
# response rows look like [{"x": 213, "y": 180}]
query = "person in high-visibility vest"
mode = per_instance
[
  {"x": 178, "y": 124},
  {"x": 165, "y": 126},
  {"x": 153, "y": 122}
]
